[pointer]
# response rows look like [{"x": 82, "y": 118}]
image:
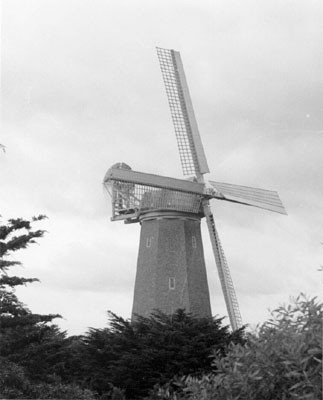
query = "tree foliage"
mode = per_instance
[
  {"x": 20, "y": 328},
  {"x": 283, "y": 360},
  {"x": 136, "y": 356},
  {"x": 33, "y": 351}
]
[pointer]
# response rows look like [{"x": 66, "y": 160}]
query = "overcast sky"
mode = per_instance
[{"x": 82, "y": 90}]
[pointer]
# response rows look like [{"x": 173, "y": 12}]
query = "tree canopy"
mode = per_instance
[
  {"x": 136, "y": 356},
  {"x": 281, "y": 360},
  {"x": 33, "y": 350}
]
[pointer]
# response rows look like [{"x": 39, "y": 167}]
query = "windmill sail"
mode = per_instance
[
  {"x": 266, "y": 199},
  {"x": 224, "y": 272},
  {"x": 189, "y": 143}
]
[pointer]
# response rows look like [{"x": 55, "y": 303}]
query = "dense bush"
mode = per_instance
[
  {"x": 282, "y": 361},
  {"x": 136, "y": 356},
  {"x": 14, "y": 384}
]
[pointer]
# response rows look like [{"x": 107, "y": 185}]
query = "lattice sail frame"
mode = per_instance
[
  {"x": 266, "y": 199},
  {"x": 228, "y": 291},
  {"x": 189, "y": 143},
  {"x": 129, "y": 200}
]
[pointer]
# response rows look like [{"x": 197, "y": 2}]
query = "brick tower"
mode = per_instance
[{"x": 171, "y": 271}]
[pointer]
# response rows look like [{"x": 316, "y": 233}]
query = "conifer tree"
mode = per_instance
[
  {"x": 16, "y": 320},
  {"x": 135, "y": 356},
  {"x": 23, "y": 334}
]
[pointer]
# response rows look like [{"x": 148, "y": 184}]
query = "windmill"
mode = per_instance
[{"x": 171, "y": 271}]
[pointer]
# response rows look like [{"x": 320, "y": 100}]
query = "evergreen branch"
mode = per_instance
[
  {"x": 22, "y": 241},
  {"x": 15, "y": 280},
  {"x": 5, "y": 264}
]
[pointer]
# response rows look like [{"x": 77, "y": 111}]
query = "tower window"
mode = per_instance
[
  {"x": 148, "y": 241},
  {"x": 194, "y": 242},
  {"x": 171, "y": 283}
]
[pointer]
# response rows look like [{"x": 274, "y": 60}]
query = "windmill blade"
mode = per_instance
[
  {"x": 261, "y": 198},
  {"x": 223, "y": 271},
  {"x": 189, "y": 143}
]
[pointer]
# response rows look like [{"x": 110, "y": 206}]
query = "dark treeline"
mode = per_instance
[
  {"x": 38, "y": 360},
  {"x": 160, "y": 357}
]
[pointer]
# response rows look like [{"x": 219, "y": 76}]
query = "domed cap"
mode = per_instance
[{"x": 119, "y": 165}]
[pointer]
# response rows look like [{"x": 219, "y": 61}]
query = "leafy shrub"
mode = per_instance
[
  {"x": 59, "y": 391},
  {"x": 13, "y": 382},
  {"x": 282, "y": 361}
]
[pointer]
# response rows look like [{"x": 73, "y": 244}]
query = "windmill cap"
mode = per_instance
[{"x": 119, "y": 165}]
